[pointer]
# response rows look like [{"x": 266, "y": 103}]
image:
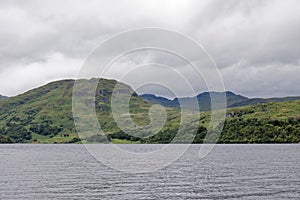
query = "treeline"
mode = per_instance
[
  {"x": 235, "y": 130},
  {"x": 17, "y": 130},
  {"x": 253, "y": 130}
]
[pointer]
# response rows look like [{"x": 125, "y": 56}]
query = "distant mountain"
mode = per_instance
[
  {"x": 204, "y": 100},
  {"x": 159, "y": 100},
  {"x": 44, "y": 115},
  {"x": 3, "y": 98}
]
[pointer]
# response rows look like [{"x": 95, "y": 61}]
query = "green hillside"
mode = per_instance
[
  {"x": 39, "y": 115},
  {"x": 44, "y": 115},
  {"x": 275, "y": 122}
]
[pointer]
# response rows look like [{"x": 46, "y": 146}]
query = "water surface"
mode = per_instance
[{"x": 228, "y": 172}]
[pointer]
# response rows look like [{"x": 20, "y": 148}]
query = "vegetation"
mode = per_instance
[
  {"x": 44, "y": 115},
  {"x": 264, "y": 123}
]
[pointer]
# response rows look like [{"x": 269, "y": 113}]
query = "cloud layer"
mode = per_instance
[{"x": 255, "y": 44}]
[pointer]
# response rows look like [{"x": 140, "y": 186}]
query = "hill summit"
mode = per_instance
[{"x": 44, "y": 115}]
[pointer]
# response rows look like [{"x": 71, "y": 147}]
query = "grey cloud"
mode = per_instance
[
  {"x": 242, "y": 37},
  {"x": 258, "y": 32}
]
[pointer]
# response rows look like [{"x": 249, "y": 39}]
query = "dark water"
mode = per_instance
[{"x": 228, "y": 172}]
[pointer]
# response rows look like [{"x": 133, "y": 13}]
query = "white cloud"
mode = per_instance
[
  {"x": 23, "y": 77},
  {"x": 273, "y": 80},
  {"x": 45, "y": 40}
]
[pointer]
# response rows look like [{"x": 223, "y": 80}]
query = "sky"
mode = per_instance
[{"x": 255, "y": 44}]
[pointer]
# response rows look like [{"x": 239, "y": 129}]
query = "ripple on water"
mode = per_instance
[{"x": 228, "y": 172}]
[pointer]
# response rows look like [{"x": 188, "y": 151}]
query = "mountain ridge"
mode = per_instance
[
  {"x": 204, "y": 100},
  {"x": 44, "y": 115}
]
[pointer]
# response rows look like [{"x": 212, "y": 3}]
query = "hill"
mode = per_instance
[
  {"x": 204, "y": 100},
  {"x": 44, "y": 115},
  {"x": 274, "y": 122},
  {"x": 153, "y": 99},
  {"x": 38, "y": 114}
]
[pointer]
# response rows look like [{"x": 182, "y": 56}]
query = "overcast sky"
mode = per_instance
[{"x": 255, "y": 44}]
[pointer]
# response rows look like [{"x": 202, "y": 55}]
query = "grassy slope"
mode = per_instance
[
  {"x": 49, "y": 105},
  {"x": 43, "y": 115},
  {"x": 272, "y": 110},
  {"x": 274, "y": 122}
]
